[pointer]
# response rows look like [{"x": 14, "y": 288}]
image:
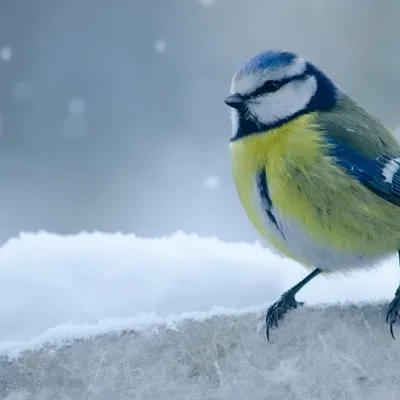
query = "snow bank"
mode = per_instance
[{"x": 59, "y": 287}]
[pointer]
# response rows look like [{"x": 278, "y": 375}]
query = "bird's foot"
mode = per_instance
[
  {"x": 279, "y": 309},
  {"x": 393, "y": 314}
]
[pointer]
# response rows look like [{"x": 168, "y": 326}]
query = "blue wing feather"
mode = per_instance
[{"x": 380, "y": 174}]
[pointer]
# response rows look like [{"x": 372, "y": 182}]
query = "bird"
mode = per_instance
[{"x": 317, "y": 175}]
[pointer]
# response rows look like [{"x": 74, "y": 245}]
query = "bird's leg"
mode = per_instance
[
  {"x": 288, "y": 302},
  {"x": 393, "y": 313}
]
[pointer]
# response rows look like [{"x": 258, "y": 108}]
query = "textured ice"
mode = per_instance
[
  {"x": 317, "y": 354},
  {"x": 62, "y": 335}
]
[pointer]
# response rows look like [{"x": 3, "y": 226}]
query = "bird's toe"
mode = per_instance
[
  {"x": 277, "y": 310},
  {"x": 393, "y": 314}
]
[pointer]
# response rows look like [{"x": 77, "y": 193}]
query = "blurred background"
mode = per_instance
[{"x": 112, "y": 115}]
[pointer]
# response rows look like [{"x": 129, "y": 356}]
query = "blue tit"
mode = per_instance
[{"x": 316, "y": 174}]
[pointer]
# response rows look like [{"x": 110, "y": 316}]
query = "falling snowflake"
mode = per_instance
[
  {"x": 77, "y": 106},
  {"x": 6, "y": 53},
  {"x": 160, "y": 46},
  {"x": 75, "y": 125},
  {"x": 211, "y": 182},
  {"x": 207, "y": 3}
]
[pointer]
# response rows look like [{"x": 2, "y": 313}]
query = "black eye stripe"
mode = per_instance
[
  {"x": 268, "y": 87},
  {"x": 273, "y": 86}
]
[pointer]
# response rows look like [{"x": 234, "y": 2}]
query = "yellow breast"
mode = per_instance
[
  {"x": 307, "y": 188},
  {"x": 296, "y": 143}
]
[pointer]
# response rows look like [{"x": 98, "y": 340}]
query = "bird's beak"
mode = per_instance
[{"x": 234, "y": 100}]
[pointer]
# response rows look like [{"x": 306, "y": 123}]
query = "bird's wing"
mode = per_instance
[{"x": 380, "y": 174}]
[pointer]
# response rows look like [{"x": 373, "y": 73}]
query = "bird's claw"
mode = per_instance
[
  {"x": 279, "y": 309},
  {"x": 393, "y": 314}
]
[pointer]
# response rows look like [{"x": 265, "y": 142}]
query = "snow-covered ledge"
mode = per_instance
[{"x": 112, "y": 316}]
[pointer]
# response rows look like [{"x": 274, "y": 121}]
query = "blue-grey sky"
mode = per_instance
[{"x": 112, "y": 114}]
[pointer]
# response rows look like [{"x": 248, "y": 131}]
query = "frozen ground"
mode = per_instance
[{"x": 122, "y": 317}]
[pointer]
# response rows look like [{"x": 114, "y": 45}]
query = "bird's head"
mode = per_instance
[{"x": 275, "y": 87}]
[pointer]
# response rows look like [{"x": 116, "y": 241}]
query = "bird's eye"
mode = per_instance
[
  {"x": 271, "y": 86},
  {"x": 268, "y": 87}
]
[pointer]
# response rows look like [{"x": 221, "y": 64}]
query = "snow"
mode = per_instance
[
  {"x": 77, "y": 106},
  {"x": 55, "y": 288},
  {"x": 75, "y": 124},
  {"x": 211, "y": 182},
  {"x": 6, "y": 53},
  {"x": 160, "y": 46},
  {"x": 207, "y": 3}
]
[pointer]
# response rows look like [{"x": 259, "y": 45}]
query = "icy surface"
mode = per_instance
[
  {"x": 317, "y": 354},
  {"x": 117, "y": 316}
]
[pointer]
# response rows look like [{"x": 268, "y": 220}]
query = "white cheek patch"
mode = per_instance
[
  {"x": 287, "y": 101},
  {"x": 235, "y": 122},
  {"x": 247, "y": 83}
]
